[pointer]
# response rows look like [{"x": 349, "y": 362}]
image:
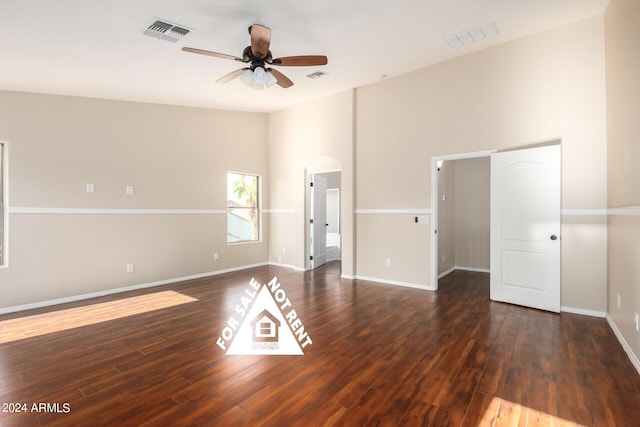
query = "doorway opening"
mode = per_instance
[
  {"x": 443, "y": 211},
  {"x": 324, "y": 238},
  {"x": 522, "y": 196}
]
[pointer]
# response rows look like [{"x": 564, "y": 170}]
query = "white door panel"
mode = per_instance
[
  {"x": 525, "y": 227},
  {"x": 319, "y": 221}
]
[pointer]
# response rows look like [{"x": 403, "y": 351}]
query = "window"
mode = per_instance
[
  {"x": 243, "y": 219},
  {"x": 3, "y": 204}
]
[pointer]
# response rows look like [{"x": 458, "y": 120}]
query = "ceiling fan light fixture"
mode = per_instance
[
  {"x": 259, "y": 76},
  {"x": 270, "y": 79},
  {"x": 247, "y": 77}
]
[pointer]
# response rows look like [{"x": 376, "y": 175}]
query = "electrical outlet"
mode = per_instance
[
  {"x": 388, "y": 262},
  {"x": 422, "y": 219},
  {"x": 279, "y": 258},
  {"x": 131, "y": 268},
  {"x": 216, "y": 256},
  {"x": 618, "y": 300},
  {"x": 129, "y": 190}
]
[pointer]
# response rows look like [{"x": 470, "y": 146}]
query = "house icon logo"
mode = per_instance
[
  {"x": 264, "y": 322},
  {"x": 265, "y": 330}
]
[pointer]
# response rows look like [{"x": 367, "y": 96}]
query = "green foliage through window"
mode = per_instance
[{"x": 242, "y": 208}]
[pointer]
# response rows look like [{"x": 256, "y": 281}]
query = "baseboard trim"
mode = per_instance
[
  {"x": 395, "y": 282},
  {"x": 107, "y": 292},
  {"x": 472, "y": 269},
  {"x": 584, "y": 312},
  {"x": 449, "y": 271},
  {"x": 624, "y": 343},
  {"x": 283, "y": 265},
  {"x": 290, "y": 266}
]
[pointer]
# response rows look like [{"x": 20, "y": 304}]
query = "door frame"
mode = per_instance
[
  {"x": 308, "y": 265},
  {"x": 434, "y": 204},
  {"x": 316, "y": 225}
]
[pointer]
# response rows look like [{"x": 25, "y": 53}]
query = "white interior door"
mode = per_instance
[
  {"x": 525, "y": 227},
  {"x": 318, "y": 224}
]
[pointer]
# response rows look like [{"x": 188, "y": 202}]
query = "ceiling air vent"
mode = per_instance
[
  {"x": 316, "y": 75},
  {"x": 166, "y": 31},
  {"x": 472, "y": 35}
]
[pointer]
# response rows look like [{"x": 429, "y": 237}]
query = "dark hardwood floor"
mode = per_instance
[{"x": 381, "y": 356}]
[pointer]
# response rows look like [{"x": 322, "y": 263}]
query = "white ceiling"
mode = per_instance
[{"x": 96, "y": 48}]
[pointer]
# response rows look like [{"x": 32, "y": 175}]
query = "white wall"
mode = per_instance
[
  {"x": 549, "y": 86},
  {"x": 3, "y": 212},
  {"x": 623, "y": 128},
  {"x": 546, "y": 87},
  {"x": 176, "y": 158},
  {"x": 472, "y": 220},
  {"x": 446, "y": 217},
  {"x": 314, "y": 137}
]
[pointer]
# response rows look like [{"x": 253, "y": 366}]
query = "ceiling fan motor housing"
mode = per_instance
[{"x": 258, "y": 60}]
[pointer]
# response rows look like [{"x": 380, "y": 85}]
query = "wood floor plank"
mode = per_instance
[
  {"x": 482, "y": 410},
  {"x": 453, "y": 409},
  {"x": 381, "y": 356},
  {"x": 419, "y": 414}
]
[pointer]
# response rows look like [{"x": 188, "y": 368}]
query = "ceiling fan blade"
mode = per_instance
[
  {"x": 301, "y": 61},
  {"x": 260, "y": 40},
  {"x": 283, "y": 81},
  {"x": 209, "y": 53},
  {"x": 232, "y": 75}
]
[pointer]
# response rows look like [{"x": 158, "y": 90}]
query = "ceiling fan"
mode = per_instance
[{"x": 259, "y": 57}]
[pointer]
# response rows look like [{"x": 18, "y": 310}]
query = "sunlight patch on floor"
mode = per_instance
[
  {"x": 61, "y": 320},
  {"x": 502, "y": 412}
]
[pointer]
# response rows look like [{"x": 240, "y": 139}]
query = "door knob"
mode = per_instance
[{"x": 554, "y": 237}]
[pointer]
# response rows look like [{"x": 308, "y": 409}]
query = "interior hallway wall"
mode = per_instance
[
  {"x": 314, "y": 137},
  {"x": 472, "y": 219},
  {"x": 446, "y": 217}
]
